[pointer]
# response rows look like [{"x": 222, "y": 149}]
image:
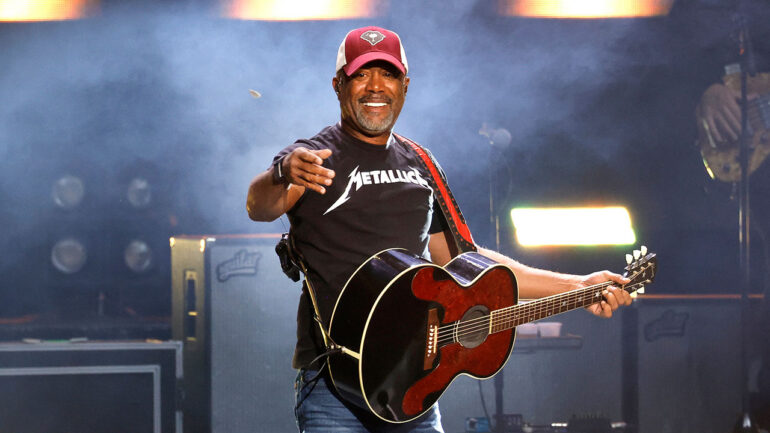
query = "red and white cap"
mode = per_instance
[{"x": 366, "y": 44}]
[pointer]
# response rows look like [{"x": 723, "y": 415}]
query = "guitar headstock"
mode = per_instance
[{"x": 641, "y": 269}]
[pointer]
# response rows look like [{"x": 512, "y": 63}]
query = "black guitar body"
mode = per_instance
[{"x": 384, "y": 317}]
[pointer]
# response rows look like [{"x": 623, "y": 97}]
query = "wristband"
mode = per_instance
[{"x": 278, "y": 175}]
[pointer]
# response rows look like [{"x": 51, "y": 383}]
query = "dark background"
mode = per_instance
[{"x": 601, "y": 113}]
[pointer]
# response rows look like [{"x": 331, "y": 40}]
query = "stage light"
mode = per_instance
[
  {"x": 573, "y": 226},
  {"x": 298, "y": 10},
  {"x": 46, "y": 10},
  {"x": 69, "y": 255},
  {"x": 585, "y": 8},
  {"x": 139, "y": 192},
  {"x": 68, "y": 192},
  {"x": 138, "y": 256}
]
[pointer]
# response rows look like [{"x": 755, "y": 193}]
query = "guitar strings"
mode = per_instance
[
  {"x": 531, "y": 306},
  {"x": 529, "y": 312},
  {"x": 482, "y": 324}
]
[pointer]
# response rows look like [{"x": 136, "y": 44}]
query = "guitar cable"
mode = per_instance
[
  {"x": 316, "y": 377},
  {"x": 493, "y": 427}
]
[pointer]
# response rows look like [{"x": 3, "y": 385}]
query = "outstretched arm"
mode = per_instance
[{"x": 302, "y": 168}]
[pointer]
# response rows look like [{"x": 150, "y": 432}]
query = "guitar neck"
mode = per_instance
[{"x": 515, "y": 315}]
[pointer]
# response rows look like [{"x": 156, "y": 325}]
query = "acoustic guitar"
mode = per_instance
[
  {"x": 406, "y": 327},
  {"x": 722, "y": 160}
]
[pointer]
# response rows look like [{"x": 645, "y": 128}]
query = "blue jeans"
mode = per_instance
[{"x": 321, "y": 410}]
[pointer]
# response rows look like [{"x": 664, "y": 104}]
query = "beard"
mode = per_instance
[{"x": 373, "y": 126}]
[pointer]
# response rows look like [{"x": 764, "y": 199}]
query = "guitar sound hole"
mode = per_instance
[{"x": 473, "y": 328}]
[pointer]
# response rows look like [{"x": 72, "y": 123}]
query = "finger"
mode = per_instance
[
  {"x": 732, "y": 115},
  {"x": 310, "y": 185},
  {"x": 315, "y": 156},
  {"x": 315, "y": 170},
  {"x": 305, "y": 161},
  {"x": 724, "y": 126},
  {"x": 309, "y": 156},
  {"x": 609, "y": 298},
  {"x": 312, "y": 162},
  {"x": 314, "y": 181},
  {"x": 624, "y": 297},
  {"x": 323, "y": 153},
  {"x": 616, "y": 277},
  {"x": 606, "y": 310},
  {"x": 712, "y": 127},
  {"x": 317, "y": 178}
]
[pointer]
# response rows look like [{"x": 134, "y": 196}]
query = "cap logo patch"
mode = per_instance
[{"x": 373, "y": 37}]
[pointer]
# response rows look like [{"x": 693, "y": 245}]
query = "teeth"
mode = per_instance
[{"x": 375, "y": 104}]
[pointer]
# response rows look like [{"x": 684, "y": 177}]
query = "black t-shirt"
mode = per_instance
[{"x": 380, "y": 198}]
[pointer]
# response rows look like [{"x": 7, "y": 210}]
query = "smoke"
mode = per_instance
[
  {"x": 595, "y": 109},
  {"x": 168, "y": 87}
]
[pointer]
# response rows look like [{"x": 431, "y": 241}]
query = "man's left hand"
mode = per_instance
[{"x": 614, "y": 296}]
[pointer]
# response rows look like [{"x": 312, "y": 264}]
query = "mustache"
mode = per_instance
[{"x": 385, "y": 99}]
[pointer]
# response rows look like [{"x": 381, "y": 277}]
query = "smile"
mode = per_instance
[{"x": 375, "y": 104}]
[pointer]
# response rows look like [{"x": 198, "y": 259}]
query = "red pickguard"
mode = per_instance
[{"x": 493, "y": 289}]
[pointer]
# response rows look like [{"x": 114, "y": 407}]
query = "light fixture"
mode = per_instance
[
  {"x": 584, "y": 8},
  {"x": 69, "y": 255},
  {"x": 46, "y": 10},
  {"x": 573, "y": 226},
  {"x": 68, "y": 192},
  {"x": 138, "y": 256},
  {"x": 297, "y": 10}
]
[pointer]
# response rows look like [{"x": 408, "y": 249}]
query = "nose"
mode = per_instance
[{"x": 375, "y": 82}]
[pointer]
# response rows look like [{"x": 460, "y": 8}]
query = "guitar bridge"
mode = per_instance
[{"x": 431, "y": 340}]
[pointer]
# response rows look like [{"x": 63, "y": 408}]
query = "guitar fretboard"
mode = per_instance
[{"x": 515, "y": 315}]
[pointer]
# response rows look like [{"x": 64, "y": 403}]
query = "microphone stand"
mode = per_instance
[
  {"x": 494, "y": 221},
  {"x": 745, "y": 424}
]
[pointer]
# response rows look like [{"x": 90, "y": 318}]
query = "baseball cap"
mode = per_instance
[{"x": 366, "y": 44}]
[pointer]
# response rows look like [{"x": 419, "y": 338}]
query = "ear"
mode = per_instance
[
  {"x": 336, "y": 85},
  {"x": 406, "y": 84}
]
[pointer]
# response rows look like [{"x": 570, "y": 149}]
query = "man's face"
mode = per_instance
[{"x": 371, "y": 100}]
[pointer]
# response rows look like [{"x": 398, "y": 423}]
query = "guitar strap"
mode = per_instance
[
  {"x": 296, "y": 257},
  {"x": 457, "y": 225}
]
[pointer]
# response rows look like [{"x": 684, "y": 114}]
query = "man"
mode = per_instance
[{"x": 354, "y": 190}]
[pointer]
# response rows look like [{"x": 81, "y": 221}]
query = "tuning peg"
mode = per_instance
[
  {"x": 629, "y": 259},
  {"x": 640, "y": 290},
  {"x": 644, "y": 250},
  {"x": 637, "y": 254}
]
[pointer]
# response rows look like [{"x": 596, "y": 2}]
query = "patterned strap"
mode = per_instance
[{"x": 457, "y": 225}]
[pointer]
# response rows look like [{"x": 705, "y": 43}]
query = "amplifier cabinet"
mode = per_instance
[
  {"x": 689, "y": 365},
  {"x": 235, "y": 311},
  {"x": 90, "y": 387}
]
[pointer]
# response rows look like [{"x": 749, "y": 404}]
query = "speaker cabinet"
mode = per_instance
[
  {"x": 235, "y": 311},
  {"x": 95, "y": 387},
  {"x": 689, "y": 371}
]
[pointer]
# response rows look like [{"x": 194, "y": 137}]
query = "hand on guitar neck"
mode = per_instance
[{"x": 614, "y": 296}]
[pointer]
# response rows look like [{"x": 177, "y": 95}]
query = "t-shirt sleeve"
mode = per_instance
[{"x": 438, "y": 224}]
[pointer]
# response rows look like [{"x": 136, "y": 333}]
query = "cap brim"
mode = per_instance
[{"x": 370, "y": 57}]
